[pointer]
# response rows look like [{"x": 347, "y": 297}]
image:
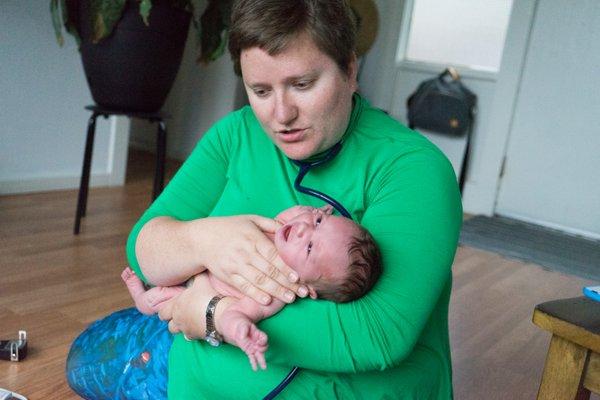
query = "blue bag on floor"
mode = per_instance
[{"x": 123, "y": 356}]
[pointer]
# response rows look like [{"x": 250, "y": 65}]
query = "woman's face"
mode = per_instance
[{"x": 300, "y": 96}]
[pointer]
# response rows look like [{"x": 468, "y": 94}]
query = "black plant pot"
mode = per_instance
[{"x": 134, "y": 68}]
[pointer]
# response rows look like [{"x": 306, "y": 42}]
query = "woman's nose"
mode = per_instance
[{"x": 285, "y": 110}]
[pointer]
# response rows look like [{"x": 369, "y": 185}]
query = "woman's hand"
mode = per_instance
[
  {"x": 237, "y": 251},
  {"x": 186, "y": 312}
]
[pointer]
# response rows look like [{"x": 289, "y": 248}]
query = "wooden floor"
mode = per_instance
[{"x": 53, "y": 284}]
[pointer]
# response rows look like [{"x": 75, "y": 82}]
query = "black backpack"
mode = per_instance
[{"x": 442, "y": 104}]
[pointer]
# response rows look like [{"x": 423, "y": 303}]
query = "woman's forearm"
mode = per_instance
[
  {"x": 168, "y": 251},
  {"x": 236, "y": 249}
]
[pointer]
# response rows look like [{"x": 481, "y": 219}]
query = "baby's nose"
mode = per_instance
[{"x": 301, "y": 229}]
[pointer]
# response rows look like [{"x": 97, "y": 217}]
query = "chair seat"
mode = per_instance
[
  {"x": 572, "y": 367},
  {"x": 155, "y": 116}
]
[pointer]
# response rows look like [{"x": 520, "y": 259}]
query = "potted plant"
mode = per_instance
[{"x": 131, "y": 49}]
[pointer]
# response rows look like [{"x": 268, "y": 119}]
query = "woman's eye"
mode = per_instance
[
  {"x": 319, "y": 220},
  {"x": 303, "y": 85},
  {"x": 260, "y": 92},
  {"x": 309, "y": 248}
]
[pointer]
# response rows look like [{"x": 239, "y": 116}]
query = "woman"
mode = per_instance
[{"x": 297, "y": 62}]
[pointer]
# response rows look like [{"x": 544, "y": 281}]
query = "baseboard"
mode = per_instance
[
  {"x": 555, "y": 226},
  {"x": 49, "y": 184}
]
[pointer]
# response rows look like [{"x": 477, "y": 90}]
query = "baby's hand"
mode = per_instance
[
  {"x": 237, "y": 329},
  {"x": 254, "y": 343}
]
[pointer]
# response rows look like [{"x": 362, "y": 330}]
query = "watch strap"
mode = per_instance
[{"x": 212, "y": 336}]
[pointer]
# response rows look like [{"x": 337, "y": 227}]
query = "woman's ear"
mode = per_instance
[{"x": 353, "y": 72}]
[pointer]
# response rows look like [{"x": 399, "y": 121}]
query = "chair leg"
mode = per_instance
[
  {"x": 85, "y": 173},
  {"x": 161, "y": 149},
  {"x": 563, "y": 372}
]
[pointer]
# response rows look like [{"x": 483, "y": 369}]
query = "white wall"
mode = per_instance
[
  {"x": 42, "y": 95},
  {"x": 200, "y": 96},
  {"x": 379, "y": 65}
]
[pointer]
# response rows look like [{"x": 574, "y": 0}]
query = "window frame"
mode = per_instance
[{"x": 429, "y": 66}]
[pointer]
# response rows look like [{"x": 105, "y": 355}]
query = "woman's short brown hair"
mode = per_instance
[{"x": 272, "y": 24}]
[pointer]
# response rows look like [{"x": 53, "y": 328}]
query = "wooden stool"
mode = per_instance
[{"x": 572, "y": 366}]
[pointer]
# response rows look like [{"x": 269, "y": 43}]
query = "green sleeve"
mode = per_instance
[
  {"x": 195, "y": 188},
  {"x": 414, "y": 213}
]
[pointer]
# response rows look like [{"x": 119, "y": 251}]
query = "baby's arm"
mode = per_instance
[
  {"x": 148, "y": 301},
  {"x": 237, "y": 325}
]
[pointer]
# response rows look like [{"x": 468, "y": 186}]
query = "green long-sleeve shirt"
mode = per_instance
[{"x": 392, "y": 343}]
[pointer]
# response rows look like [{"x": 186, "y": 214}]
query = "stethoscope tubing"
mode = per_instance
[{"x": 304, "y": 168}]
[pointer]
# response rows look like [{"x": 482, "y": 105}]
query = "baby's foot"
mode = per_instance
[
  {"x": 148, "y": 301},
  {"x": 134, "y": 284}
]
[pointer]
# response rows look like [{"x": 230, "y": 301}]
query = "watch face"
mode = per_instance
[{"x": 213, "y": 341}]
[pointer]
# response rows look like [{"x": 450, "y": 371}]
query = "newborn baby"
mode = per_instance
[{"x": 309, "y": 241}]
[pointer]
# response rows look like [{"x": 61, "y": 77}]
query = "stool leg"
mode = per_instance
[
  {"x": 564, "y": 371},
  {"x": 161, "y": 149},
  {"x": 85, "y": 173}
]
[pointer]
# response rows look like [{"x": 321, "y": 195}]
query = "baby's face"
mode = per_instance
[{"x": 315, "y": 244}]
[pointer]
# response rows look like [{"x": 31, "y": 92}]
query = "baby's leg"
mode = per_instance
[{"x": 148, "y": 301}]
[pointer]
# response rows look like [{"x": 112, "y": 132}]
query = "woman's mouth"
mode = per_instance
[{"x": 291, "y": 135}]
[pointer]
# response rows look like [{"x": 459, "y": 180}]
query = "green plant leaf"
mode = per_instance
[
  {"x": 211, "y": 26},
  {"x": 145, "y": 7},
  {"x": 105, "y": 15},
  {"x": 214, "y": 23},
  {"x": 70, "y": 16},
  {"x": 56, "y": 22}
]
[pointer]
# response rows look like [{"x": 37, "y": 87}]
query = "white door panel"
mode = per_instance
[{"x": 552, "y": 169}]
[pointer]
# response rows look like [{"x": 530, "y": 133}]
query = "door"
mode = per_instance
[{"x": 551, "y": 173}]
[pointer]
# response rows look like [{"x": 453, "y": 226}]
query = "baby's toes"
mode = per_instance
[{"x": 126, "y": 274}]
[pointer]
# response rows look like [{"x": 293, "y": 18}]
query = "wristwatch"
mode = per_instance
[{"x": 213, "y": 337}]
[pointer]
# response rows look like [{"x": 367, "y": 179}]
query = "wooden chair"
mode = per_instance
[
  {"x": 572, "y": 368},
  {"x": 161, "y": 148}
]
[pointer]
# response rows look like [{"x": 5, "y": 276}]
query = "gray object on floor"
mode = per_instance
[{"x": 549, "y": 248}]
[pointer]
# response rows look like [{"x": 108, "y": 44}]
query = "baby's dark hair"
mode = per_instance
[{"x": 362, "y": 273}]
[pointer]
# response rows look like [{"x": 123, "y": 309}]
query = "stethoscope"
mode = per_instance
[{"x": 305, "y": 166}]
